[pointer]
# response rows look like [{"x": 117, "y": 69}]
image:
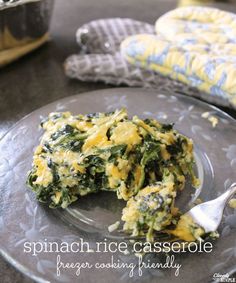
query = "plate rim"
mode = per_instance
[{"x": 180, "y": 94}]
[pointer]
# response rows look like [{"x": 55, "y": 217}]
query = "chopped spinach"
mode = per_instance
[{"x": 145, "y": 167}]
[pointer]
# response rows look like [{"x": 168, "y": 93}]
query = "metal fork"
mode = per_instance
[{"x": 209, "y": 214}]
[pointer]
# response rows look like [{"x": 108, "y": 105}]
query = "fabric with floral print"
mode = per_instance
[{"x": 195, "y": 45}]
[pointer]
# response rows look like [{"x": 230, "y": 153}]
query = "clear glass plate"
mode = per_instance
[{"x": 23, "y": 219}]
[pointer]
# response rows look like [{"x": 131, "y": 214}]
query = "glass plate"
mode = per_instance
[{"x": 24, "y": 221}]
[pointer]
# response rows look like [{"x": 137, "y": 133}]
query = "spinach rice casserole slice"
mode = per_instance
[{"x": 143, "y": 161}]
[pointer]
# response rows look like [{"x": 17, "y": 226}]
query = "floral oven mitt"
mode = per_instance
[{"x": 194, "y": 45}]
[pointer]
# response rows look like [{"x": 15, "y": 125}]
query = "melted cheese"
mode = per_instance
[
  {"x": 130, "y": 215},
  {"x": 57, "y": 197},
  {"x": 123, "y": 133},
  {"x": 184, "y": 229},
  {"x": 65, "y": 156},
  {"x": 115, "y": 174},
  {"x": 44, "y": 175},
  {"x": 78, "y": 167},
  {"x": 97, "y": 139},
  {"x": 167, "y": 138},
  {"x": 164, "y": 153},
  {"x": 126, "y": 133},
  {"x": 138, "y": 174},
  {"x": 83, "y": 126},
  {"x": 123, "y": 192},
  {"x": 38, "y": 149}
]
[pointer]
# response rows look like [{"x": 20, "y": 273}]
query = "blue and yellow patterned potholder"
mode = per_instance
[{"x": 195, "y": 45}]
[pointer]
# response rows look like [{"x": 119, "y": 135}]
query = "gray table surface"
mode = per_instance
[{"x": 38, "y": 78}]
